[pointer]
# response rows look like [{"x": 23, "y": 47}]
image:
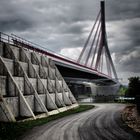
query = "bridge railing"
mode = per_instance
[
  {"x": 35, "y": 45},
  {"x": 11, "y": 38},
  {"x": 6, "y": 38}
]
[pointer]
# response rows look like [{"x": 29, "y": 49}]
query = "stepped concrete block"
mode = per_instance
[
  {"x": 15, "y": 51},
  {"x": 67, "y": 94},
  {"x": 46, "y": 70},
  {"x": 64, "y": 85},
  {"x": 43, "y": 98},
  {"x": 32, "y": 73},
  {"x": 51, "y": 63},
  {"x": 60, "y": 96},
  {"x": 10, "y": 64},
  {"x": 58, "y": 74},
  {"x": 51, "y": 74},
  {"x": 13, "y": 103},
  {"x": 44, "y": 81},
  {"x": 60, "y": 82},
  {"x": 28, "y": 88},
  {"x": 20, "y": 82},
  {"x": 58, "y": 101},
  {"x": 40, "y": 86},
  {"x": 66, "y": 98},
  {"x": 28, "y": 54},
  {"x": 58, "y": 86},
  {"x": 23, "y": 55},
  {"x": 11, "y": 87},
  {"x": 34, "y": 59},
  {"x": 2, "y": 69},
  {"x": 40, "y": 104},
  {"x": 24, "y": 66},
  {"x": 72, "y": 99},
  {"x": 36, "y": 67},
  {"x": 52, "y": 95},
  {"x": 30, "y": 100},
  {"x": 42, "y": 73},
  {"x": 49, "y": 87},
  {"x": 51, "y": 102},
  {"x": 46, "y": 58},
  {"x": 7, "y": 53},
  {"x": 38, "y": 57},
  {"x": 1, "y": 49},
  {"x": 53, "y": 70},
  {"x": 44, "y": 61},
  {"x": 18, "y": 69},
  {"x": 25, "y": 109},
  {"x": 34, "y": 82},
  {"x": 5, "y": 113},
  {"x": 53, "y": 82},
  {"x": 3, "y": 85}
]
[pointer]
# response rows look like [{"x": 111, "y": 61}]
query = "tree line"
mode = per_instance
[{"x": 133, "y": 90}]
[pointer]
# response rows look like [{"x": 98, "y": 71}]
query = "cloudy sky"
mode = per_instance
[{"x": 63, "y": 26}]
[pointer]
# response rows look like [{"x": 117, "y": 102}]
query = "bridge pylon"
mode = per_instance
[{"x": 95, "y": 53}]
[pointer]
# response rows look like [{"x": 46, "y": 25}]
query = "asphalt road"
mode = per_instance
[{"x": 101, "y": 123}]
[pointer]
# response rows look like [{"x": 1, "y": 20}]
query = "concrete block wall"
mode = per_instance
[{"x": 30, "y": 85}]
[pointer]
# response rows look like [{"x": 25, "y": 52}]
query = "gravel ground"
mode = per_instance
[{"x": 101, "y": 123}]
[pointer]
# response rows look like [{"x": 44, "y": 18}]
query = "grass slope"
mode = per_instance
[{"x": 11, "y": 131}]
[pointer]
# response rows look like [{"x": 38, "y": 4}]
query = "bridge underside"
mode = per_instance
[{"x": 75, "y": 74}]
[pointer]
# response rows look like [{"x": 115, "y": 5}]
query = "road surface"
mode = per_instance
[{"x": 101, "y": 123}]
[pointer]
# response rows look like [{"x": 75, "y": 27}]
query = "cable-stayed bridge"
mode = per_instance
[
  {"x": 33, "y": 86},
  {"x": 94, "y": 62}
]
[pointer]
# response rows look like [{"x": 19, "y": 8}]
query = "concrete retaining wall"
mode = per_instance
[{"x": 30, "y": 85}]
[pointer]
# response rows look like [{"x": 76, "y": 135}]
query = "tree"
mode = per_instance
[
  {"x": 122, "y": 90},
  {"x": 134, "y": 90}
]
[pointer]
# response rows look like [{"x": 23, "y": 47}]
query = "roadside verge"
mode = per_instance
[
  {"x": 11, "y": 131},
  {"x": 131, "y": 118}
]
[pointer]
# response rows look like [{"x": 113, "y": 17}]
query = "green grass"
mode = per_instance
[{"x": 11, "y": 131}]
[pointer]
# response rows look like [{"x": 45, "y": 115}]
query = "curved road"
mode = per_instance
[{"x": 101, "y": 123}]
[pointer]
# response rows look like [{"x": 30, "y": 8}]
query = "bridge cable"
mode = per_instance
[
  {"x": 103, "y": 51},
  {"x": 99, "y": 52},
  {"x": 92, "y": 44},
  {"x": 86, "y": 43},
  {"x": 110, "y": 59},
  {"x": 96, "y": 46}
]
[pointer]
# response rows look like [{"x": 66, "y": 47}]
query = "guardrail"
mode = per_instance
[
  {"x": 6, "y": 38},
  {"x": 11, "y": 38}
]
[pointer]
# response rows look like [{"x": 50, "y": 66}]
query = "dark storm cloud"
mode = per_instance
[
  {"x": 63, "y": 25},
  {"x": 129, "y": 61},
  {"x": 122, "y": 9},
  {"x": 124, "y": 35},
  {"x": 15, "y": 16},
  {"x": 125, "y": 43},
  {"x": 14, "y": 24},
  {"x": 76, "y": 28},
  {"x": 134, "y": 33}
]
